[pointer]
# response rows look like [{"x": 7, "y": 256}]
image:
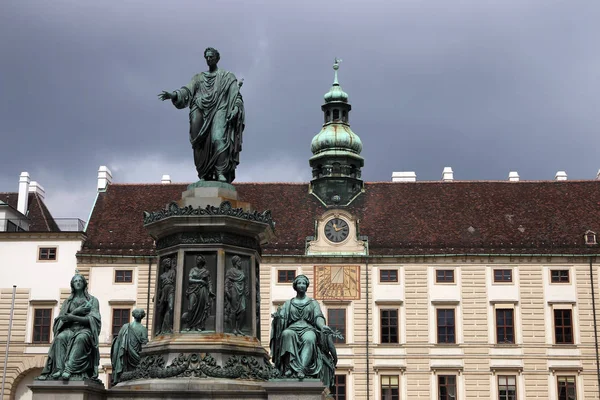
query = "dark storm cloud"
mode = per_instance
[{"x": 485, "y": 87}]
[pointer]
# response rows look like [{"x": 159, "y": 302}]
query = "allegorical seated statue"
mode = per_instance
[
  {"x": 200, "y": 295},
  {"x": 166, "y": 297},
  {"x": 126, "y": 347},
  {"x": 301, "y": 343},
  {"x": 74, "y": 352},
  {"x": 216, "y": 119},
  {"x": 236, "y": 292}
]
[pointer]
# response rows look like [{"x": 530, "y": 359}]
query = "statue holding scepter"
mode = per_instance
[
  {"x": 216, "y": 119},
  {"x": 301, "y": 343}
]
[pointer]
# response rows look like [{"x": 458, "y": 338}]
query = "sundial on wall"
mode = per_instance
[{"x": 337, "y": 282}]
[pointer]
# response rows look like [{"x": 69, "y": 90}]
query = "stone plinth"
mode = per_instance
[
  {"x": 187, "y": 388},
  {"x": 292, "y": 389},
  {"x": 206, "y": 335},
  {"x": 67, "y": 390},
  {"x": 203, "y": 193}
]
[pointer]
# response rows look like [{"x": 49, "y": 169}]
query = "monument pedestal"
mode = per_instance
[
  {"x": 291, "y": 389},
  {"x": 67, "y": 390},
  {"x": 187, "y": 388}
]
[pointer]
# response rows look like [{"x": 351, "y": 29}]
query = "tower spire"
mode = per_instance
[{"x": 336, "y": 162}]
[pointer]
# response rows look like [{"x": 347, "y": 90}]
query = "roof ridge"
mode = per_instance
[
  {"x": 188, "y": 183},
  {"x": 489, "y": 181},
  {"x": 42, "y": 211}
]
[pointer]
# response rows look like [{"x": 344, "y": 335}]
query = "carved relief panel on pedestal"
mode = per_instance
[{"x": 199, "y": 292}]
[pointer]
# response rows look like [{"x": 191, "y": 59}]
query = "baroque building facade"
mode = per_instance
[{"x": 442, "y": 290}]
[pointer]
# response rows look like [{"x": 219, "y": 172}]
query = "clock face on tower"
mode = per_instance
[{"x": 336, "y": 230}]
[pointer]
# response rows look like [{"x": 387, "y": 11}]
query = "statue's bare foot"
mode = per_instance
[
  {"x": 56, "y": 375},
  {"x": 42, "y": 377},
  {"x": 301, "y": 375},
  {"x": 288, "y": 373},
  {"x": 222, "y": 178},
  {"x": 66, "y": 376}
]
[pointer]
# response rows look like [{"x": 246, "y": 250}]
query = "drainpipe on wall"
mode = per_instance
[
  {"x": 12, "y": 311},
  {"x": 367, "y": 327},
  {"x": 595, "y": 325}
]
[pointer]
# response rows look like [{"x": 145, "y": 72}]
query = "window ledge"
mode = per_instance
[
  {"x": 337, "y": 302},
  {"x": 506, "y": 368},
  {"x": 121, "y": 302},
  {"x": 50, "y": 302},
  {"x": 497, "y": 302},
  {"x": 389, "y": 302},
  {"x": 445, "y": 302}
]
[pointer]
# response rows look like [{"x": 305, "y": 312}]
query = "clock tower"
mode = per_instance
[{"x": 336, "y": 162}]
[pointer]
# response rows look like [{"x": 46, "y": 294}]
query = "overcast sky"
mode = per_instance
[{"x": 485, "y": 87}]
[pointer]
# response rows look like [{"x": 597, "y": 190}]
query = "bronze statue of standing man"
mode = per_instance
[{"x": 216, "y": 119}]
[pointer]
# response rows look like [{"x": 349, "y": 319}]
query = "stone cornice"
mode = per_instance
[{"x": 28, "y": 235}]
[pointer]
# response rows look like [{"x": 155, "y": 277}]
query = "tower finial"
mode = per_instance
[{"x": 336, "y": 66}]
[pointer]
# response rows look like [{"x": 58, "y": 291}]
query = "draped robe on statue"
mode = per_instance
[
  {"x": 211, "y": 97},
  {"x": 167, "y": 300},
  {"x": 75, "y": 346},
  {"x": 199, "y": 300},
  {"x": 126, "y": 348},
  {"x": 236, "y": 291},
  {"x": 296, "y": 341}
]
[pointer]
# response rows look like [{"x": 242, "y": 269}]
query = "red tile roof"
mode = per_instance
[
  {"x": 398, "y": 218},
  {"x": 39, "y": 216}
]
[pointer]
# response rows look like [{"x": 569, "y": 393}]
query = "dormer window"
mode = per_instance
[{"x": 590, "y": 238}]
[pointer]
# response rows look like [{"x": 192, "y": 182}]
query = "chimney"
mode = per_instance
[
  {"x": 513, "y": 176},
  {"x": 35, "y": 187},
  {"x": 23, "y": 199},
  {"x": 166, "y": 179},
  {"x": 104, "y": 178},
  {"x": 560, "y": 176},
  {"x": 447, "y": 174},
  {"x": 404, "y": 176}
]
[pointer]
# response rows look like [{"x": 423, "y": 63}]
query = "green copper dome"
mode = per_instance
[{"x": 338, "y": 137}]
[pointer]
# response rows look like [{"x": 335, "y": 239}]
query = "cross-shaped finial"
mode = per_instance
[{"x": 336, "y": 66}]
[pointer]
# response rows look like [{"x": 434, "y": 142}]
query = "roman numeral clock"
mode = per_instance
[{"x": 337, "y": 230}]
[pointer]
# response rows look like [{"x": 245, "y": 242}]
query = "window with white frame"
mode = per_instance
[
  {"x": 390, "y": 387},
  {"x": 447, "y": 387},
  {"x": 446, "y": 325},
  {"x": 389, "y": 325},
  {"x": 563, "y": 325},
  {"x": 47, "y": 253},
  {"x": 567, "y": 387},
  {"x": 339, "y": 390},
  {"x": 507, "y": 387}
]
